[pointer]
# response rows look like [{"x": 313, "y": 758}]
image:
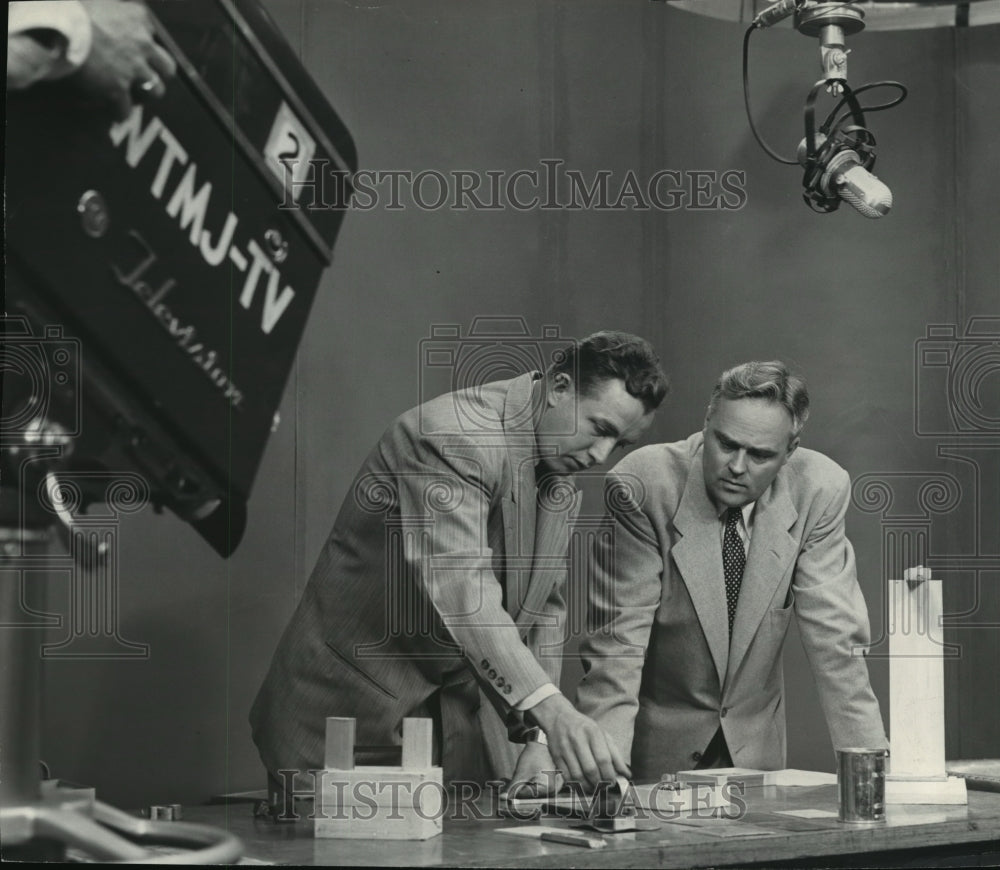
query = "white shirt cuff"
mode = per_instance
[
  {"x": 536, "y": 697},
  {"x": 66, "y": 17}
]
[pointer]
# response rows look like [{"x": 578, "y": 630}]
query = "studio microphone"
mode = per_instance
[
  {"x": 844, "y": 177},
  {"x": 860, "y": 188}
]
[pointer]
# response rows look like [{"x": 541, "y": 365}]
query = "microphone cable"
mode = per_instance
[
  {"x": 746, "y": 102},
  {"x": 835, "y": 133}
]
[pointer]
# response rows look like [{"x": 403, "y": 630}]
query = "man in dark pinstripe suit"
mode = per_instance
[{"x": 442, "y": 579}]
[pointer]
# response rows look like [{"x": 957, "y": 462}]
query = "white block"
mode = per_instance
[
  {"x": 418, "y": 743},
  {"x": 916, "y": 679},
  {"x": 907, "y": 791},
  {"x": 372, "y": 802},
  {"x": 339, "y": 746},
  {"x": 916, "y": 769}
]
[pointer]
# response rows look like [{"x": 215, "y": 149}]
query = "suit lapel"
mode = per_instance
[
  {"x": 536, "y": 522},
  {"x": 771, "y": 551},
  {"x": 518, "y": 505},
  {"x": 558, "y": 503},
  {"x": 698, "y": 556},
  {"x": 519, "y": 515}
]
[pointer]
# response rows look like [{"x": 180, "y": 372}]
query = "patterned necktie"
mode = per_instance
[{"x": 733, "y": 560}]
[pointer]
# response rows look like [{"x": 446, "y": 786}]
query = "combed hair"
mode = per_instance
[
  {"x": 765, "y": 380},
  {"x": 609, "y": 355}
]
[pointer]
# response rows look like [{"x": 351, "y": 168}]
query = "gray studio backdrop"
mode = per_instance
[{"x": 602, "y": 85}]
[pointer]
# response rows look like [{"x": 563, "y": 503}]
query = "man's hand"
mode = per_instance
[
  {"x": 536, "y": 774},
  {"x": 581, "y": 750},
  {"x": 125, "y": 63}
]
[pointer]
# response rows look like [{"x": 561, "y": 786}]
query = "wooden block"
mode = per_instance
[
  {"x": 372, "y": 802},
  {"x": 339, "y": 752},
  {"x": 418, "y": 744}
]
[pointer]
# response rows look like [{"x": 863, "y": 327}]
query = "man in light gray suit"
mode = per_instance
[
  {"x": 441, "y": 582},
  {"x": 717, "y": 540}
]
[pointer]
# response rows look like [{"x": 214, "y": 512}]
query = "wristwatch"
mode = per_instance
[{"x": 536, "y": 735}]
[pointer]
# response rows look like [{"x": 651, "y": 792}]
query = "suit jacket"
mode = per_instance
[
  {"x": 444, "y": 560},
  {"x": 661, "y": 673}
]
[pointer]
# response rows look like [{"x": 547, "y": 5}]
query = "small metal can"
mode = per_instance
[{"x": 861, "y": 785}]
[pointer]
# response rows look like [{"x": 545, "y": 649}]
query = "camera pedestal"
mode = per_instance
[
  {"x": 40, "y": 821},
  {"x": 916, "y": 695}
]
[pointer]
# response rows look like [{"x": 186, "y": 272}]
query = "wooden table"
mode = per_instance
[{"x": 919, "y": 836}]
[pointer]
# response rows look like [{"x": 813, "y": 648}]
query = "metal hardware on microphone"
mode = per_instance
[
  {"x": 855, "y": 185},
  {"x": 778, "y": 12},
  {"x": 838, "y": 155}
]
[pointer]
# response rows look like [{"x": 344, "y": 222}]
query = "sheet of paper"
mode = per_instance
[
  {"x": 791, "y": 776},
  {"x": 808, "y": 813},
  {"x": 723, "y": 828},
  {"x": 535, "y": 831},
  {"x": 791, "y": 824}
]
